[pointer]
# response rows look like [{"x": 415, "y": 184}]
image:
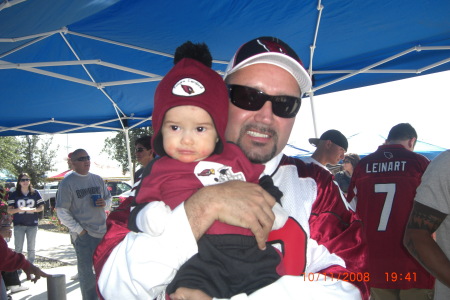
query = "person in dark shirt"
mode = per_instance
[
  {"x": 343, "y": 177},
  {"x": 24, "y": 204},
  {"x": 144, "y": 154}
]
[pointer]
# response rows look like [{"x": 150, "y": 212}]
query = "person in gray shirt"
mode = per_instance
[{"x": 81, "y": 203}]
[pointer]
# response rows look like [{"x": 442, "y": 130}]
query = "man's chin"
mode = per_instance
[{"x": 259, "y": 154}]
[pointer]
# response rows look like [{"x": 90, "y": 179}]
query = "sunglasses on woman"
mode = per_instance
[
  {"x": 252, "y": 99},
  {"x": 83, "y": 158},
  {"x": 24, "y": 179}
]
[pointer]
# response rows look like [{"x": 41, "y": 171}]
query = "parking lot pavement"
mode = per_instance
[
  {"x": 55, "y": 246},
  {"x": 38, "y": 290}
]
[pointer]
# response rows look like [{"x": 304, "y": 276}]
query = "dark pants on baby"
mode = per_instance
[{"x": 227, "y": 265}]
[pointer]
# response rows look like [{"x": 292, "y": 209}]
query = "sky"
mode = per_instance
[
  {"x": 422, "y": 101},
  {"x": 93, "y": 143}
]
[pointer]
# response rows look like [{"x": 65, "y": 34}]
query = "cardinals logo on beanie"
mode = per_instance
[{"x": 190, "y": 82}]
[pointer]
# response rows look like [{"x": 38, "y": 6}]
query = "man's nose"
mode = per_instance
[{"x": 265, "y": 114}]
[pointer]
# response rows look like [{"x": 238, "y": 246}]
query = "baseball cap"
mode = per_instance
[
  {"x": 333, "y": 135},
  {"x": 190, "y": 82},
  {"x": 270, "y": 50}
]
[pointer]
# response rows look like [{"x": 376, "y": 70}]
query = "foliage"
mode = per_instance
[
  {"x": 57, "y": 223},
  {"x": 3, "y": 207},
  {"x": 8, "y": 153},
  {"x": 116, "y": 148},
  {"x": 5, "y": 218},
  {"x": 35, "y": 158}
]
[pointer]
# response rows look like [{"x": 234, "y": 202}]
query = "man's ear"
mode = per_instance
[{"x": 412, "y": 143}]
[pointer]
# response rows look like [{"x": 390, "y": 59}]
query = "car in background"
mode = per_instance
[
  {"x": 119, "y": 192},
  {"x": 118, "y": 199},
  {"x": 49, "y": 193},
  {"x": 117, "y": 187}
]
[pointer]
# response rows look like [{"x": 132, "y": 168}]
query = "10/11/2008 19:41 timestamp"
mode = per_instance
[{"x": 394, "y": 276}]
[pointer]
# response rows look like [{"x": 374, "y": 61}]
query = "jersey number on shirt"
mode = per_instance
[
  {"x": 389, "y": 189},
  {"x": 25, "y": 203}
]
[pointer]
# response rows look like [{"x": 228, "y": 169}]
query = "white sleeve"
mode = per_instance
[
  {"x": 313, "y": 287},
  {"x": 142, "y": 265},
  {"x": 281, "y": 216},
  {"x": 152, "y": 219},
  {"x": 66, "y": 218}
]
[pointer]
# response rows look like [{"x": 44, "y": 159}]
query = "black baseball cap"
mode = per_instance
[{"x": 333, "y": 135}]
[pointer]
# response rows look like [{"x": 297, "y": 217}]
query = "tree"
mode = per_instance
[
  {"x": 116, "y": 148},
  {"x": 35, "y": 158},
  {"x": 8, "y": 153}
]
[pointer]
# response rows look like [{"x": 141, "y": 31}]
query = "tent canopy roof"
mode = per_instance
[{"x": 90, "y": 65}]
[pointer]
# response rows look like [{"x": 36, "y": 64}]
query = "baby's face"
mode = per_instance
[{"x": 188, "y": 133}]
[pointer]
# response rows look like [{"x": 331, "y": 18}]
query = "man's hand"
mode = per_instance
[
  {"x": 5, "y": 232},
  {"x": 33, "y": 270},
  {"x": 100, "y": 202},
  {"x": 236, "y": 203},
  {"x": 189, "y": 294}
]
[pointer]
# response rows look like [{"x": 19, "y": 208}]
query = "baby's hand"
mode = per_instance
[{"x": 189, "y": 294}]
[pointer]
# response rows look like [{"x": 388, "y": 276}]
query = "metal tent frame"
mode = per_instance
[{"x": 124, "y": 119}]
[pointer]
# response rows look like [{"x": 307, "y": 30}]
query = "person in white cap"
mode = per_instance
[
  {"x": 265, "y": 80},
  {"x": 189, "y": 121}
]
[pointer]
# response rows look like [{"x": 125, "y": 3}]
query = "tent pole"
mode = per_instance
[
  {"x": 127, "y": 142},
  {"x": 311, "y": 97}
]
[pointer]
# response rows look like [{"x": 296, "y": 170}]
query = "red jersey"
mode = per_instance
[
  {"x": 11, "y": 260},
  {"x": 383, "y": 187},
  {"x": 172, "y": 181}
]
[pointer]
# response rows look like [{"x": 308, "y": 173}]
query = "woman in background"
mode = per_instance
[
  {"x": 24, "y": 204},
  {"x": 343, "y": 177},
  {"x": 144, "y": 154}
]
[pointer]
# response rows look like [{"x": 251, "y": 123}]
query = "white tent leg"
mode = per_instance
[
  {"x": 127, "y": 142},
  {"x": 311, "y": 97}
]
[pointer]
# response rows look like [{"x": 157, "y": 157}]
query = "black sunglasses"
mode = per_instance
[
  {"x": 140, "y": 149},
  {"x": 252, "y": 99},
  {"x": 25, "y": 179},
  {"x": 83, "y": 158}
]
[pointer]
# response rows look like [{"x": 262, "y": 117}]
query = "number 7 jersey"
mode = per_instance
[{"x": 382, "y": 188}]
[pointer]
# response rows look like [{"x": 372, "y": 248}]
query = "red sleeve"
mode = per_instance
[
  {"x": 116, "y": 230},
  {"x": 11, "y": 260},
  {"x": 337, "y": 227}
]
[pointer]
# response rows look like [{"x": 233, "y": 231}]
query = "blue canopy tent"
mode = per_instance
[{"x": 93, "y": 65}]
